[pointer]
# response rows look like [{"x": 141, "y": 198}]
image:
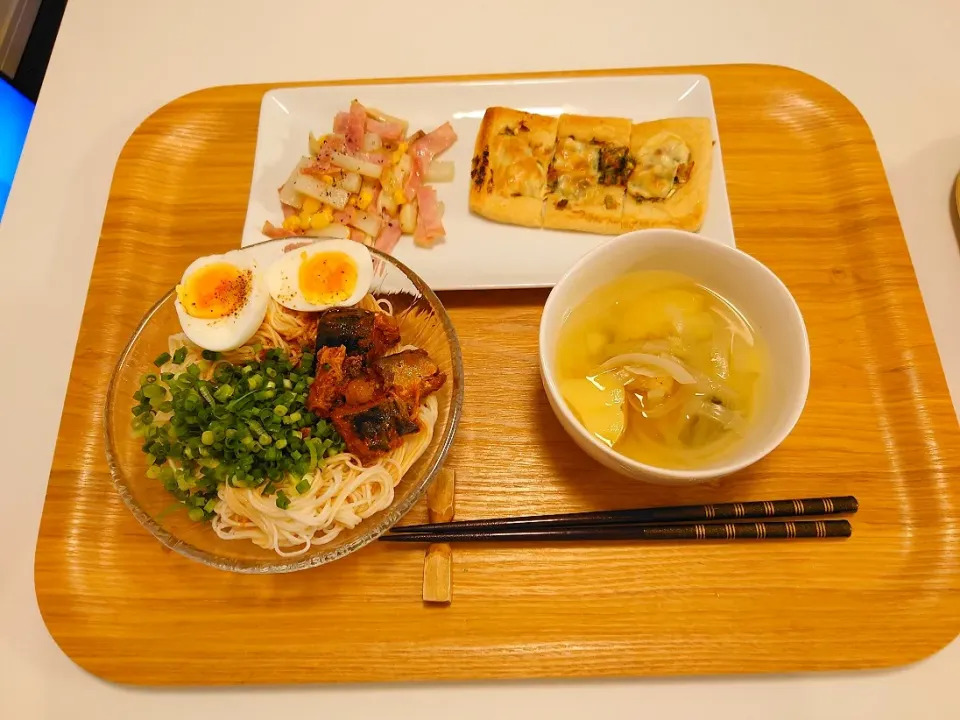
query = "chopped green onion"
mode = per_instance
[
  {"x": 212, "y": 431},
  {"x": 154, "y": 391},
  {"x": 195, "y": 514},
  {"x": 207, "y": 395},
  {"x": 210, "y": 355}
]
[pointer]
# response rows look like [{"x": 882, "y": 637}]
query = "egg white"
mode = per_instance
[
  {"x": 283, "y": 276},
  {"x": 230, "y": 332}
]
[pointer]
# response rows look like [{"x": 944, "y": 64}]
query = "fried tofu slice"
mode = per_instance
[
  {"x": 669, "y": 182},
  {"x": 509, "y": 170}
]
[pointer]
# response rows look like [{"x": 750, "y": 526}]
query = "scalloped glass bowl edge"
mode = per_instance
[{"x": 243, "y": 556}]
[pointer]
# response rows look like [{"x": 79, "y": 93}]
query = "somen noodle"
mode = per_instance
[{"x": 342, "y": 491}]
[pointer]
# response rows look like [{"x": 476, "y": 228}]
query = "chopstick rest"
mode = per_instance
[{"x": 438, "y": 561}]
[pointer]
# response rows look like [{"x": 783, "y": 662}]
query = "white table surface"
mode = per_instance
[{"x": 117, "y": 60}]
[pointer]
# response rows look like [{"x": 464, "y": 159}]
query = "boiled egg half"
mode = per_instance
[
  {"x": 328, "y": 273},
  {"x": 221, "y": 301}
]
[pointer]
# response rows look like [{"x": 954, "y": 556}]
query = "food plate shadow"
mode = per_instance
[{"x": 533, "y": 297}]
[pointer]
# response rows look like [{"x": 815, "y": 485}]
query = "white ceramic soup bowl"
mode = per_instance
[{"x": 743, "y": 281}]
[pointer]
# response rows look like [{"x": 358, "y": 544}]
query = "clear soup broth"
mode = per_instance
[{"x": 661, "y": 369}]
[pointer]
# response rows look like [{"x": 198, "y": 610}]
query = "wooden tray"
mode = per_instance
[{"x": 809, "y": 199}]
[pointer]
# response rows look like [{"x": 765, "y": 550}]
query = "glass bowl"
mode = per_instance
[{"x": 423, "y": 322}]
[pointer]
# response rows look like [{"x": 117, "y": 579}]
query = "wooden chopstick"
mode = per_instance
[
  {"x": 648, "y": 516},
  {"x": 719, "y": 531}
]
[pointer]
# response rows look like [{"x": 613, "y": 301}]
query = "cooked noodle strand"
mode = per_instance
[{"x": 342, "y": 491}]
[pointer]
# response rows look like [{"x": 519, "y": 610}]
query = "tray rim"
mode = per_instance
[{"x": 843, "y": 104}]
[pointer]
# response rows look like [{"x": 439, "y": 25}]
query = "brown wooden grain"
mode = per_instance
[
  {"x": 438, "y": 559},
  {"x": 809, "y": 198}
]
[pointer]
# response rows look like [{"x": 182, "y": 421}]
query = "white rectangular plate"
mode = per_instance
[{"x": 478, "y": 253}]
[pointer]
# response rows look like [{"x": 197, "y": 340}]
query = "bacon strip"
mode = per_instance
[
  {"x": 389, "y": 236},
  {"x": 423, "y": 151},
  {"x": 434, "y": 143},
  {"x": 274, "y": 232},
  {"x": 356, "y": 125},
  {"x": 429, "y": 224},
  {"x": 344, "y": 217},
  {"x": 415, "y": 178},
  {"x": 387, "y": 130}
]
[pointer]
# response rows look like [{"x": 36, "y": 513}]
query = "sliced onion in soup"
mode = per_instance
[
  {"x": 669, "y": 365},
  {"x": 656, "y": 410},
  {"x": 729, "y": 419}
]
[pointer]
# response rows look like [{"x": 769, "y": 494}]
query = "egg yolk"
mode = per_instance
[
  {"x": 215, "y": 290},
  {"x": 327, "y": 278}
]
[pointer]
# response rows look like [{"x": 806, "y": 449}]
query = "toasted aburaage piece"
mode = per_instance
[
  {"x": 411, "y": 375},
  {"x": 360, "y": 332},
  {"x": 373, "y": 429},
  {"x": 509, "y": 169},
  {"x": 669, "y": 183}
]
